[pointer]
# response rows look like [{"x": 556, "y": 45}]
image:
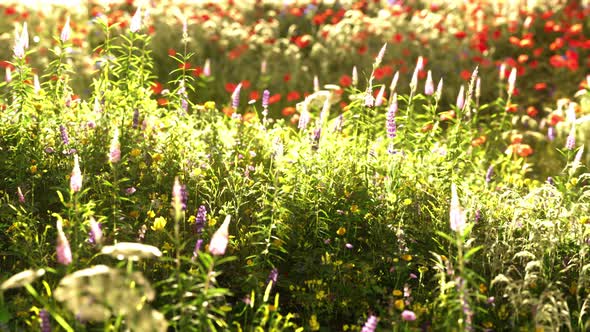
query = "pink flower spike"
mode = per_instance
[
  {"x": 457, "y": 215},
  {"x": 420, "y": 63},
  {"x": 439, "y": 88},
  {"x": 379, "y": 99},
  {"x": 66, "y": 31},
  {"x": 220, "y": 238},
  {"x": 115, "y": 149},
  {"x": 502, "y": 71},
  {"x": 379, "y": 57},
  {"x": 76, "y": 176},
  {"x": 63, "y": 250},
  {"x": 461, "y": 98},
  {"x": 511, "y": 81},
  {"x": 135, "y": 24},
  {"x": 393, "y": 84},
  {"x": 429, "y": 85}
]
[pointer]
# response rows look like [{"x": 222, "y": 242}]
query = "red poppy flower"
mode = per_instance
[
  {"x": 555, "y": 118},
  {"x": 230, "y": 87},
  {"x": 287, "y": 77},
  {"x": 460, "y": 34},
  {"x": 254, "y": 95},
  {"x": 274, "y": 99},
  {"x": 171, "y": 52},
  {"x": 466, "y": 75},
  {"x": 156, "y": 88},
  {"x": 557, "y": 61},
  {"x": 540, "y": 86},
  {"x": 293, "y": 96},
  {"x": 345, "y": 81}
]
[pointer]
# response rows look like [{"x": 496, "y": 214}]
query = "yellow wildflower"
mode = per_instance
[
  {"x": 135, "y": 152},
  {"x": 159, "y": 224},
  {"x": 151, "y": 214},
  {"x": 313, "y": 323},
  {"x": 399, "y": 304},
  {"x": 341, "y": 231},
  {"x": 407, "y": 258},
  {"x": 483, "y": 288},
  {"x": 33, "y": 169},
  {"x": 157, "y": 157},
  {"x": 397, "y": 292},
  {"x": 354, "y": 208},
  {"x": 209, "y": 105},
  {"x": 407, "y": 201}
]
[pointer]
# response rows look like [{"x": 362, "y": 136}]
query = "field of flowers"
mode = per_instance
[{"x": 295, "y": 166}]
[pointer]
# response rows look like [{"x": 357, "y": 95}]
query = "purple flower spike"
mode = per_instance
[
  {"x": 551, "y": 133},
  {"x": 390, "y": 118},
  {"x": 235, "y": 96},
  {"x": 489, "y": 174},
  {"x": 570, "y": 142},
  {"x": 265, "y": 96},
  {"x": 197, "y": 249},
  {"x": 370, "y": 324},
  {"x": 201, "y": 219},
  {"x": 273, "y": 276},
  {"x": 45, "y": 322},
  {"x": 65, "y": 139},
  {"x": 95, "y": 234}
]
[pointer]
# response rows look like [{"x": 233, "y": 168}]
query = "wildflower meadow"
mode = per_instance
[{"x": 302, "y": 165}]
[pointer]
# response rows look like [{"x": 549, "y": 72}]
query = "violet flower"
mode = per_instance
[
  {"x": 45, "y": 322},
  {"x": 265, "y": 96},
  {"x": 235, "y": 96},
  {"x": 197, "y": 249},
  {"x": 490, "y": 173},
  {"x": 201, "y": 219},
  {"x": 65, "y": 139},
  {"x": 570, "y": 142}
]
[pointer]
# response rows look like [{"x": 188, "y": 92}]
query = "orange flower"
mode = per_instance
[
  {"x": 427, "y": 127},
  {"x": 448, "y": 115},
  {"x": 524, "y": 150},
  {"x": 287, "y": 111},
  {"x": 228, "y": 111},
  {"x": 479, "y": 141},
  {"x": 516, "y": 139},
  {"x": 247, "y": 117}
]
